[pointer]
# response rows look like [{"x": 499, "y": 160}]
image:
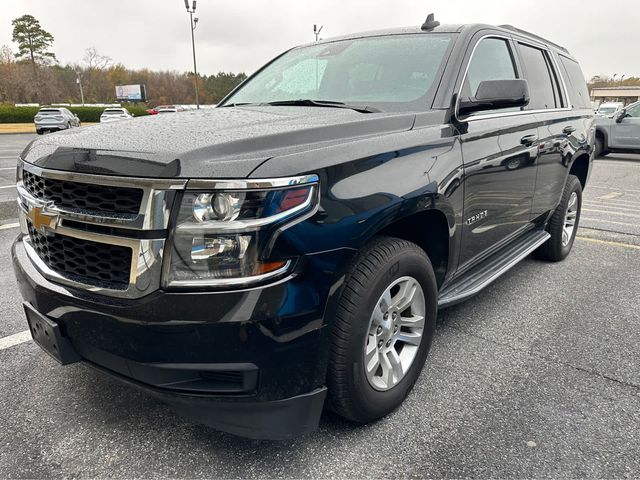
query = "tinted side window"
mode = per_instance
[
  {"x": 576, "y": 83},
  {"x": 634, "y": 111},
  {"x": 492, "y": 60},
  {"x": 540, "y": 78}
]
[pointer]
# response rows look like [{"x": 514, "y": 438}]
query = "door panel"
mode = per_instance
[
  {"x": 500, "y": 174},
  {"x": 626, "y": 134}
]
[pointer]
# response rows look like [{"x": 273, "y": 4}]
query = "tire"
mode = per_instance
[
  {"x": 600, "y": 150},
  {"x": 353, "y": 394},
  {"x": 558, "y": 247},
  {"x": 39, "y": 132}
]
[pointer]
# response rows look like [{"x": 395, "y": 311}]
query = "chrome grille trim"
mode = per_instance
[
  {"x": 147, "y": 254},
  {"x": 155, "y": 207}
]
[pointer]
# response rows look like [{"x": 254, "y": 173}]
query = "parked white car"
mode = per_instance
[
  {"x": 49, "y": 119},
  {"x": 609, "y": 109},
  {"x": 114, "y": 115}
]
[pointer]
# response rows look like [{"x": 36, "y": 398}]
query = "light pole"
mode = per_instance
[
  {"x": 79, "y": 82},
  {"x": 316, "y": 31},
  {"x": 193, "y": 22}
]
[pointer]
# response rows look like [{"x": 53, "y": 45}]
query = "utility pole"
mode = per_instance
[
  {"x": 193, "y": 22},
  {"x": 79, "y": 82},
  {"x": 316, "y": 31}
]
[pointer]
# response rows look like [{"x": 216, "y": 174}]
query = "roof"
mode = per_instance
[{"x": 449, "y": 28}]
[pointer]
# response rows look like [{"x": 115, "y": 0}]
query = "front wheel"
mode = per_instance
[
  {"x": 563, "y": 224},
  {"x": 600, "y": 150},
  {"x": 382, "y": 329}
]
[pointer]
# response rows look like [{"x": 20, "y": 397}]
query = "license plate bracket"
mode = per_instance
[{"x": 48, "y": 336}]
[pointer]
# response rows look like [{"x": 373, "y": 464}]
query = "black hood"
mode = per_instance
[{"x": 220, "y": 143}]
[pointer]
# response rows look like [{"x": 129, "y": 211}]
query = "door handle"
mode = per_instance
[
  {"x": 528, "y": 140},
  {"x": 568, "y": 130}
]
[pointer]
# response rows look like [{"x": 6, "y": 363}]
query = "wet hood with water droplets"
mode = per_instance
[{"x": 219, "y": 143}]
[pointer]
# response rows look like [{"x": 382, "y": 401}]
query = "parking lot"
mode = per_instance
[{"x": 538, "y": 376}]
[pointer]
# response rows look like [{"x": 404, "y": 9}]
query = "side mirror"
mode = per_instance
[
  {"x": 496, "y": 94},
  {"x": 620, "y": 115}
]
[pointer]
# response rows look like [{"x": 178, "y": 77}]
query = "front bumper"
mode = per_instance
[{"x": 250, "y": 362}]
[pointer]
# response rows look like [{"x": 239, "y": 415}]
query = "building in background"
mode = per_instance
[{"x": 625, "y": 95}]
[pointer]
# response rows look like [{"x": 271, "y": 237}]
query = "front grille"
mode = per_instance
[
  {"x": 91, "y": 263},
  {"x": 85, "y": 197}
]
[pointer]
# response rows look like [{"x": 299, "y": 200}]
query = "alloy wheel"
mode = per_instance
[
  {"x": 395, "y": 333},
  {"x": 570, "y": 219}
]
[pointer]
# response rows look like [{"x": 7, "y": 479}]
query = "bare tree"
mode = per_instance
[{"x": 94, "y": 60}]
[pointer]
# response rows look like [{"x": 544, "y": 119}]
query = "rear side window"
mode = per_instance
[
  {"x": 543, "y": 87},
  {"x": 578, "y": 93}
]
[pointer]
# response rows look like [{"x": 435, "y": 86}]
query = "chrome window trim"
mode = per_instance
[{"x": 489, "y": 116}]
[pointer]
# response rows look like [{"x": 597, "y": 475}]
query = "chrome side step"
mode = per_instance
[{"x": 491, "y": 269}]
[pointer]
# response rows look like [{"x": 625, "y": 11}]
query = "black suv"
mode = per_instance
[{"x": 290, "y": 248}]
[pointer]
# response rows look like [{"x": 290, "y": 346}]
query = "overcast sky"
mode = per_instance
[{"x": 241, "y": 35}]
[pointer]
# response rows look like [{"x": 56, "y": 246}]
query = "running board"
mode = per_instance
[{"x": 491, "y": 269}]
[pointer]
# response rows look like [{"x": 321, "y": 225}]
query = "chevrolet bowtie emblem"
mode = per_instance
[{"x": 41, "y": 219}]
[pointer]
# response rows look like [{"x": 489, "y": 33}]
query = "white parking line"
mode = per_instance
[
  {"x": 9, "y": 225},
  {"x": 600, "y": 220},
  {"x": 7, "y": 168},
  {"x": 8, "y": 186},
  {"x": 15, "y": 339},
  {"x": 628, "y": 208},
  {"x": 625, "y": 190},
  {"x": 610, "y": 212}
]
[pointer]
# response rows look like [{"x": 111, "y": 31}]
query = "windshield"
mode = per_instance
[
  {"x": 49, "y": 111},
  {"x": 608, "y": 110},
  {"x": 114, "y": 112},
  {"x": 391, "y": 73}
]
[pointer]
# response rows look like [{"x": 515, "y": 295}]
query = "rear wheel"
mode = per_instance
[
  {"x": 39, "y": 132},
  {"x": 563, "y": 224},
  {"x": 382, "y": 330}
]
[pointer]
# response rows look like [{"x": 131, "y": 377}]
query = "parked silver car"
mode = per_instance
[
  {"x": 50, "y": 119},
  {"x": 621, "y": 133}
]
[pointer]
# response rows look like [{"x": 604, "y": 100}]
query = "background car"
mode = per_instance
[
  {"x": 156, "y": 110},
  {"x": 620, "y": 132},
  {"x": 609, "y": 109},
  {"x": 115, "y": 114},
  {"x": 167, "y": 110},
  {"x": 49, "y": 119}
]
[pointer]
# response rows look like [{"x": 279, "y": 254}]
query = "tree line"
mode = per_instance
[
  {"x": 600, "y": 81},
  {"x": 32, "y": 74}
]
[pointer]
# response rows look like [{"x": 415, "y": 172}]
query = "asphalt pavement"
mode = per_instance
[{"x": 538, "y": 376}]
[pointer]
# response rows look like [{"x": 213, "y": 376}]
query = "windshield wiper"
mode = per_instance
[
  {"x": 307, "y": 102},
  {"x": 323, "y": 103}
]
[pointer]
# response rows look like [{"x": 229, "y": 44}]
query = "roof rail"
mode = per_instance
[{"x": 534, "y": 36}]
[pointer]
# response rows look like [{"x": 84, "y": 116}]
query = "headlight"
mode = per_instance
[{"x": 220, "y": 235}]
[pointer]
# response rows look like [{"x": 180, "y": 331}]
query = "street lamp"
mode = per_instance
[
  {"x": 79, "y": 82},
  {"x": 193, "y": 22}
]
